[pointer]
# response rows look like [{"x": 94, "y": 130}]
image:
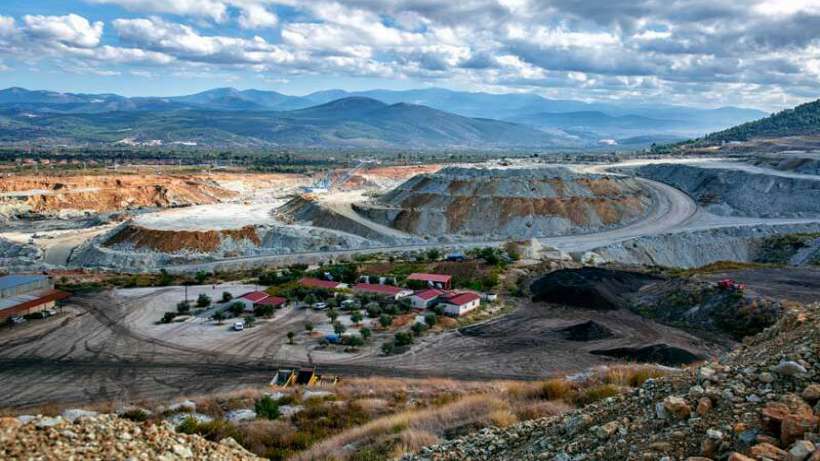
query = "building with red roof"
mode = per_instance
[
  {"x": 458, "y": 304},
  {"x": 259, "y": 298},
  {"x": 423, "y": 299},
  {"x": 384, "y": 290},
  {"x": 441, "y": 281},
  {"x": 310, "y": 282}
]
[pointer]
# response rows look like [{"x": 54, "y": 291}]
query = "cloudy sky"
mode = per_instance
[{"x": 754, "y": 53}]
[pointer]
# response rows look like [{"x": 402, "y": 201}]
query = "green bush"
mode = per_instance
[
  {"x": 168, "y": 317},
  {"x": 203, "y": 300},
  {"x": 266, "y": 407},
  {"x": 385, "y": 320},
  {"x": 183, "y": 307},
  {"x": 404, "y": 338},
  {"x": 226, "y": 296}
]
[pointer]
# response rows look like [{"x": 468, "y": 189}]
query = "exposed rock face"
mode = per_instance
[
  {"x": 14, "y": 254},
  {"x": 656, "y": 353},
  {"x": 509, "y": 203},
  {"x": 55, "y": 195},
  {"x": 698, "y": 248},
  {"x": 741, "y": 193},
  {"x": 135, "y": 248}
]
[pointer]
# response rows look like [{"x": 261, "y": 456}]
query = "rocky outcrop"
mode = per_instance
[
  {"x": 92, "y": 436},
  {"x": 689, "y": 249},
  {"x": 759, "y": 402},
  {"x": 508, "y": 203},
  {"x": 18, "y": 255},
  {"x": 733, "y": 192}
]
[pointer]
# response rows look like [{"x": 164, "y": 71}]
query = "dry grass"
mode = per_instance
[
  {"x": 528, "y": 410},
  {"x": 435, "y": 420},
  {"x": 631, "y": 375},
  {"x": 411, "y": 441}
]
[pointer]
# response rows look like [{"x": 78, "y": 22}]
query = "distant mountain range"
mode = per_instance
[{"x": 426, "y": 118}]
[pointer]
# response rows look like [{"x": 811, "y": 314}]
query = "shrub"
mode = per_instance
[
  {"x": 291, "y": 335},
  {"x": 356, "y": 317},
  {"x": 203, "y": 300},
  {"x": 556, "y": 389},
  {"x": 263, "y": 310},
  {"x": 385, "y": 320},
  {"x": 183, "y": 307},
  {"x": 168, "y": 317},
  {"x": 200, "y": 277},
  {"x": 366, "y": 333},
  {"x": 266, "y": 407},
  {"x": 339, "y": 328},
  {"x": 430, "y": 319},
  {"x": 187, "y": 426},
  {"x": 596, "y": 393},
  {"x": 249, "y": 320},
  {"x": 332, "y": 314},
  {"x": 308, "y": 327},
  {"x": 404, "y": 338},
  {"x": 388, "y": 347},
  {"x": 219, "y": 317},
  {"x": 226, "y": 296},
  {"x": 353, "y": 340},
  {"x": 418, "y": 328}
]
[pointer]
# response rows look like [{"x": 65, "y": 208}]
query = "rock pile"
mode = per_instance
[
  {"x": 106, "y": 437},
  {"x": 760, "y": 402}
]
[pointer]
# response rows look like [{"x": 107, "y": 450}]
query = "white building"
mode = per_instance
[
  {"x": 461, "y": 303},
  {"x": 424, "y": 298}
]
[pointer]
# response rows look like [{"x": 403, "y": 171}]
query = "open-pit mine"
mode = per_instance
[{"x": 653, "y": 212}]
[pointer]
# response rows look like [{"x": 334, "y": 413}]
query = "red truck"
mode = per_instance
[{"x": 730, "y": 284}]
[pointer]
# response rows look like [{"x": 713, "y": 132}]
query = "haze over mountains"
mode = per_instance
[{"x": 425, "y": 118}]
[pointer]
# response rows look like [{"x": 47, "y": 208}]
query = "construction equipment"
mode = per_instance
[
  {"x": 287, "y": 377},
  {"x": 328, "y": 183},
  {"x": 731, "y": 285}
]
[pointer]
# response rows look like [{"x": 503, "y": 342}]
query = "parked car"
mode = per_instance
[
  {"x": 16, "y": 320},
  {"x": 238, "y": 326},
  {"x": 320, "y": 306}
]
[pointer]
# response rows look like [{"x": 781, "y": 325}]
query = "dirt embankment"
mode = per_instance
[
  {"x": 509, "y": 203},
  {"x": 48, "y": 195},
  {"x": 735, "y": 192},
  {"x": 137, "y": 237}
]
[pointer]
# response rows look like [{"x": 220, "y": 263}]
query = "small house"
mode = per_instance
[
  {"x": 461, "y": 303},
  {"x": 440, "y": 281},
  {"x": 383, "y": 290},
  {"x": 425, "y": 298},
  {"x": 309, "y": 282},
  {"x": 259, "y": 298}
]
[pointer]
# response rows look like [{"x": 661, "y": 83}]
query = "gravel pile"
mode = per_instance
[
  {"x": 106, "y": 437},
  {"x": 760, "y": 402}
]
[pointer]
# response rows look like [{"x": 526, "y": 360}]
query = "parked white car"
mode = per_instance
[{"x": 238, "y": 326}]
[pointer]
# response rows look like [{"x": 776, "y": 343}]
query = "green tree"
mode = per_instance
[
  {"x": 339, "y": 328},
  {"x": 200, "y": 277},
  {"x": 433, "y": 254},
  {"x": 165, "y": 278},
  {"x": 291, "y": 335},
  {"x": 418, "y": 328},
  {"x": 332, "y": 314},
  {"x": 226, "y": 296},
  {"x": 308, "y": 327},
  {"x": 183, "y": 307},
  {"x": 366, "y": 333},
  {"x": 404, "y": 338},
  {"x": 385, "y": 320},
  {"x": 237, "y": 309},
  {"x": 267, "y": 408},
  {"x": 219, "y": 317},
  {"x": 249, "y": 320},
  {"x": 356, "y": 316},
  {"x": 203, "y": 300},
  {"x": 430, "y": 319}
]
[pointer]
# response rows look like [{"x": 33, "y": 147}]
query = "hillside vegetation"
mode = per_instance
[{"x": 800, "y": 121}]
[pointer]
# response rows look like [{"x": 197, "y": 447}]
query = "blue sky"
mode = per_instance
[{"x": 754, "y": 53}]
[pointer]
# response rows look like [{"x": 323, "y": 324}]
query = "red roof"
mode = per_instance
[
  {"x": 440, "y": 278},
  {"x": 317, "y": 283},
  {"x": 43, "y": 298},
  {"x": 272, "y": 301},
  {"x": 429, "y": 294},
  {"x": 461, "y": 299},
  {"x": 375, "y": 288},
  {"x": 255, "y": 296}
]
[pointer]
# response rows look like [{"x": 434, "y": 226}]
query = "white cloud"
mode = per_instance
[
  {"x": 213, "y": 9},
  {"x": 71, "y": 30},
  {"x": 257, "y": 16}
]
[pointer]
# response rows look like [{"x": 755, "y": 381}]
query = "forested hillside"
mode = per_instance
[{"x": 800, "y": 121}]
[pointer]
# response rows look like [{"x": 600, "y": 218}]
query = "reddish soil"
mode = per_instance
[{"x": 174, "y": 241}]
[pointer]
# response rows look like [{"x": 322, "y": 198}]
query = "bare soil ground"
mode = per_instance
[
  {"x": 107, "y": 347},
  {"x": 801, "y": 285}
]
